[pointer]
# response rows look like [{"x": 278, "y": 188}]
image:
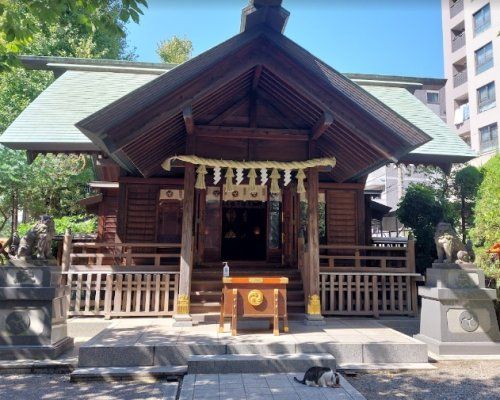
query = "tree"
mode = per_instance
[
  {"x": 420, "y": 210},
  {"x": 21, "y": 21},
  {"x": 486, "y": 229},
  {"x": 466, "y": 184},
  {"x": 53, "y": 183},
  {"x": 175, "y": 50}
]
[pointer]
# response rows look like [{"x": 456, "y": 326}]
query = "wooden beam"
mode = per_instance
[
  {"x": 252, "y": 110},
  {"x": 304, "y": 88},
  {"x": 218, "y": 82},
  {"x": 187, "y": 114},
  {"x": 186, "y": 262},
  {"x": 312, "y": 236},
  {"x": 229, "y": 111},
  {"x": 322, "y": 125},
  {"x": 256, "y": 77},
  {"x": 251, "y": 133}
]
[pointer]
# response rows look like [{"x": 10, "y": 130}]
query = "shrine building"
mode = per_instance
[{"x": 255, "y": 152}]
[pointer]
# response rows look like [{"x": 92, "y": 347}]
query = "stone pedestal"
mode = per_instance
[
  {"x": 33, "y": 312},
  {"x": 183, "y": 320},
  {"x": 457, "y": 316}
]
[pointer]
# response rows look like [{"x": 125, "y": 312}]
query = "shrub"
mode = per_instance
[
  {"x": 83, "y": 224},
  {"x": 486, "y": 229},
  {"x": 420, "y": 211}
]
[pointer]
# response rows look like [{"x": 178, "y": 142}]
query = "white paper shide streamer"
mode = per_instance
[
  {"x": 239, "y": 176},
  {"x": 263, "y": 176},
  {"x": 217, "y": 175},
  {"x": 287, "y": 178}
]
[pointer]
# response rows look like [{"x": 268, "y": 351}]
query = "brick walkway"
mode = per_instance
[{"x": 260, "y": 387}]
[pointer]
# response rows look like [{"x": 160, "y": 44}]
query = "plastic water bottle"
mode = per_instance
[{"x": 225, "y": 270}]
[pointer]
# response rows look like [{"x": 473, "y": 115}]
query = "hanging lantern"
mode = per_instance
[
  {"x": 200, "y": 179},
  {"x": 275, "y": 176},
  {"x": 229, "y": 180},
  {"x": 300, "y": 181}
]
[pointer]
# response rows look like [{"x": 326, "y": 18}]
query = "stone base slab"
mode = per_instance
[
  {"x": 183, "y": 321},
  {"x": 142, "y": 374},
  {"x": 314, "y": 320},
  {"x": 36, "y": 352},
  {"x": 460, "y": 348},
  {"x": 154, "y": 342},
  {"x": 253, "y": 363}
]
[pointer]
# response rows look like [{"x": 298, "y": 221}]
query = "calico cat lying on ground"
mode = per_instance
[{"x": 320, "y": 376}]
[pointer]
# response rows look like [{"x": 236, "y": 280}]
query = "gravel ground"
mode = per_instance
[
  {"x": 45, "y": 386},
  {"x": 453, "y": 380}
]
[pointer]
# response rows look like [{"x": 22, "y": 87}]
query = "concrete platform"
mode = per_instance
[
  {"x": 460, "y": 348},
  {"x": 251, "y": 363},
  {"x": 142, "y": 374},
  {"x": 155, "y": 342}
]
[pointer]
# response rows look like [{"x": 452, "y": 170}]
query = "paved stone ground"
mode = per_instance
[
  {"x": 56, "y": 387},
  {"x": 452, "y": 380},
  {"x": 260, "y": 387}
]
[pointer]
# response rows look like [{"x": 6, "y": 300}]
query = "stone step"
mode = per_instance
[
  {"x": 144, "y": 374},
  {"x": 256, "y": 363}
]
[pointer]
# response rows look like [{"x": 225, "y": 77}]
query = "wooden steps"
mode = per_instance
[{"x": 206, "y": 284}]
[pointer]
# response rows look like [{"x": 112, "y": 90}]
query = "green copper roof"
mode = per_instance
[
  {"x": 445, "y": 145},
  {"x": 48, "y": 123}
]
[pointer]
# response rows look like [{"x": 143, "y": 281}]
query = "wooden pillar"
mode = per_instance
[
  {"x": 182, "y": 317},
  {"x": 312, "y": 263},
  {"x": 67, "y": 250}
]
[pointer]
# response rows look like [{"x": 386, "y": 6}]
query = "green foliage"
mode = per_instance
[
  {"x": 175, "y": 50},
  {"x": 51, "y": 184},
  {"x": 22, "y": 22},
  {"x": 421, "y": 210},
  {"x": 486, "y": 229},
  {"x": 466, "y": 184},
  {"x": 82, "y": 224}
]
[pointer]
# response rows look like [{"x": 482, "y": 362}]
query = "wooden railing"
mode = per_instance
[
  {"x": 368, "y": 293},
  {"x": 369, "y": 280},
  {"x": 125, "y": 254},
  {"x": 393, "y": 257},
  {"x": 120, "y": 279},
  {"x": 108, "y": 293}
]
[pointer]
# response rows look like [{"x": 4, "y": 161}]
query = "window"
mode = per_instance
[
  {"x": 488, "y": 137},
  {"x": 484, "y": 58},
  {"x": 486, "y": 97},
  {"x": 482, "y": 19},
  {"x": 433, "y": 97}
]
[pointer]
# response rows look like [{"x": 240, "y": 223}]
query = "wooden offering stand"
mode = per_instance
[{"x": 254, "y": 297}]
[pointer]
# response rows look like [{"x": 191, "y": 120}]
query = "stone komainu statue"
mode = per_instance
[
  {"x": 449, "y": 247},
  {"x": 37, "y": 243}
]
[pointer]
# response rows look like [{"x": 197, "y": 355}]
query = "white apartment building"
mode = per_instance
[{"x": 471, "y": 43}]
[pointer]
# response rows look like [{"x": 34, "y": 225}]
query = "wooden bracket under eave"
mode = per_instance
[
  {"x": 187, "y": 114},
  {"x": 323, "y": 123}
]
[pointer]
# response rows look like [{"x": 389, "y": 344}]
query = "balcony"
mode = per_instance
[
  {"x": 456, "y": 8},
  {"x": 460, "y": 78},
  {"x": 458, "y": 41}
]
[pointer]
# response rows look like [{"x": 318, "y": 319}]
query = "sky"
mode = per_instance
[{"x": 394, "y": 37}]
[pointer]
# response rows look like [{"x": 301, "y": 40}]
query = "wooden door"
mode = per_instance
[{"x": 169, "y": 221}]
